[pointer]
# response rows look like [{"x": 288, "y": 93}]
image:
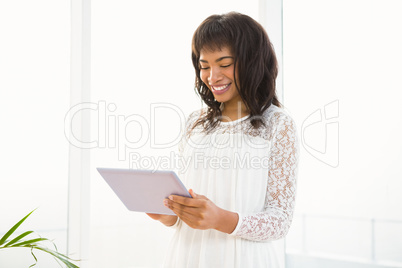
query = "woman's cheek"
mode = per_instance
[{"x": 204, "y": 78}]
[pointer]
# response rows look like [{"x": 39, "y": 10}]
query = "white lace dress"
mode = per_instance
[{"x": 240, "y": 169}]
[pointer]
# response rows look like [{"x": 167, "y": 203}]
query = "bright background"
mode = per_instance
[
  {"x": 341, "y": 70},
  {"x": 34, "y": 98}
]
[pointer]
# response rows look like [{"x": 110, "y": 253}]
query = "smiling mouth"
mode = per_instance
[{"x": 220, "y": 88}]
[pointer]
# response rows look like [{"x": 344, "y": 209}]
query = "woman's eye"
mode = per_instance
[
  {"x": 204, "y": 68},
  {"x": 225, "y": 66}
]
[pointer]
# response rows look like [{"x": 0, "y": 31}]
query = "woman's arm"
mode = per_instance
[{"x": 274, "y": 221}]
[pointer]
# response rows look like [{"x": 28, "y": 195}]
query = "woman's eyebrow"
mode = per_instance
[{"x": 218, "y": 60}]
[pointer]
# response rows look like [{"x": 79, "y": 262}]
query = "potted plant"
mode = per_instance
[{"x": 33, "y": 244}]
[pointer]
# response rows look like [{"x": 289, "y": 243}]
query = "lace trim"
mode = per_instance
[{"x": 243, "y": 126}]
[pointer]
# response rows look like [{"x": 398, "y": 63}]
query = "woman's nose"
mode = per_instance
[{"x": 214, "y": 76}]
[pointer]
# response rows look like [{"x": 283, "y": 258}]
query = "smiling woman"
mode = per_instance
[
  {"x": 229, "y": 53},
  {"x": 234, "y": 206}
]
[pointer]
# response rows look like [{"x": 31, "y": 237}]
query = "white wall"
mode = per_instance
[{"x": 342, "y": 83}]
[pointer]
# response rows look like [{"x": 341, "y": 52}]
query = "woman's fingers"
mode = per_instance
[
  {"x": 197, "y": 196},
  {"x": 167, "y": 220},
  {"x": 182, "y": 206},
  {"x": 194, "y": 195},
  {"x": 193, "y": 217},
  {"x": 154, "y": 216},
  {"x": 195, "y": 201},
  {"x": 186, "y": 201},
  {"x": 197, "y": 212}
]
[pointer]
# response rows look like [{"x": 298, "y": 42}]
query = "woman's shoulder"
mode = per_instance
[
  {"x": 277, "y": 120},
  {"x": 276, "y": 115},
  {"x": 194, "y": 115}
]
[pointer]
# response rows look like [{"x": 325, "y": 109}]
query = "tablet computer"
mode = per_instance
[{"x": 144, "y": 190}]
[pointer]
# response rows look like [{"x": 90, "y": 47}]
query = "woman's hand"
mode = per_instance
[
  {"x": 201, "y": 213},
  {"x": 167, "y": 220}
]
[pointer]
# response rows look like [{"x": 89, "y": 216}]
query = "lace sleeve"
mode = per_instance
[{"x": 273, "y": 223}]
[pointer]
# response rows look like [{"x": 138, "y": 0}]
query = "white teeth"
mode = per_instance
[{"x": 220, "y": 88}]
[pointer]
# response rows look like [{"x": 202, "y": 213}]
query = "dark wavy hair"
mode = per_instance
[{"x": 254, "y": 60}]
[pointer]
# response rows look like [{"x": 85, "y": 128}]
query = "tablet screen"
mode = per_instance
[{"x": 144, "y": 190}]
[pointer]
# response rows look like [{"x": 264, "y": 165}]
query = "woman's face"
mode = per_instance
[{"x": 217, "y": 72}]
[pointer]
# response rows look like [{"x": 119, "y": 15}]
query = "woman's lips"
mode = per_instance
[{"x": 220, "y": 89}]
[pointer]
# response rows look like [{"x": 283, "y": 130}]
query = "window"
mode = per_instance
[{"x": 34, "y": 98}]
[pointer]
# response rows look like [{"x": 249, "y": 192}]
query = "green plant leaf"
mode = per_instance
[
  {"x": 33, "y": 244},
  {"x": 64, "y": 259},
  {"x": 18, "y": 238},
  {"x": 11, "y": 231},
  {"x": 36, "y": 260},
  {"x": 30, "y": 242}
]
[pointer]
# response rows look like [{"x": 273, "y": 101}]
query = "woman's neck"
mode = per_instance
[{"x": 234, "y": 111}]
